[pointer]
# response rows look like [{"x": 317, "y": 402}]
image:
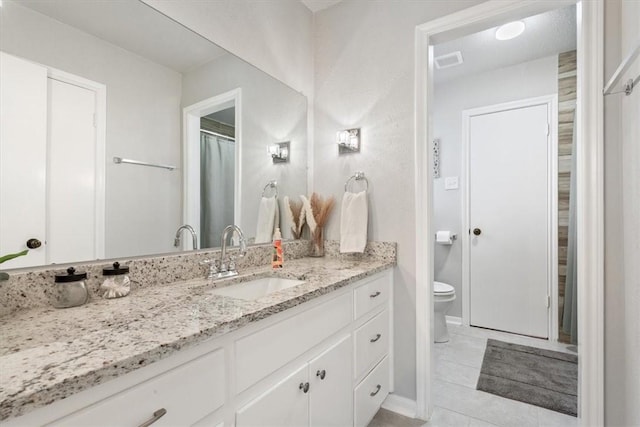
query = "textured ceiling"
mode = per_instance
[
  {"x": 545, "y": 35},
  {"x": 316, "y": 5}
]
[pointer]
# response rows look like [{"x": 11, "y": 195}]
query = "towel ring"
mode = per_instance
[
  {"x": 271, "y": 184},
  {"x": 358, "y": 176}
]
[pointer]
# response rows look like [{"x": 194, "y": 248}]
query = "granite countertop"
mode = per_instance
[{"x": 48, "y": 354}]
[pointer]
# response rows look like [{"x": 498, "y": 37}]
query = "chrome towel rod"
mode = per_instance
[
  {"x": 119, "y": 160},
  {"x": 622, "y": 68},
  {"x": 358, "y": 176},
  {"x": 271, "y": 184}
]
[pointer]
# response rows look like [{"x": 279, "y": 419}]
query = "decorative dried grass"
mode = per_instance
[
  {"x": 296, "y": 215},
  {"x": 320, "y": 210}
]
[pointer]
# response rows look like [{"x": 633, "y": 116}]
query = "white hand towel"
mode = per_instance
[
  {"x": 268, "y": 219},
  {"x": 276, "y": 219},
  {"x": 353, "y": 222}
]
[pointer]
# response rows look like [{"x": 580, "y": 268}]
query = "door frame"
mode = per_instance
[
  {"x": 551, "y": 101},
  {"x": 100, "y": 125},
  {"x": 191, "y": 155},
  {"x": 590, "y": 194}
]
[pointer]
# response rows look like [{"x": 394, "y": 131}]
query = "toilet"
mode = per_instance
[{"x": 443, "y": 296}]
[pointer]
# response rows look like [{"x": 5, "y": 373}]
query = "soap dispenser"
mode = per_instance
[
  {"x": 116, "y": 283},
  {"x": 277, "y": 260}
]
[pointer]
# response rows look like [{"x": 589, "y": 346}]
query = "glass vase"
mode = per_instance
[{"x": 317, "y": 243}]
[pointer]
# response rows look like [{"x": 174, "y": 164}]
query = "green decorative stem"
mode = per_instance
[{"x": 12, "y": 256}]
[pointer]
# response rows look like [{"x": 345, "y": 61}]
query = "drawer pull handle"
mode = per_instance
[
  {"x": 376, "y": 338},
  {"x": 304, "y": 387},
  {"x": 373, "y": 393},
  {"x": 321, "y": 374},
  {"x": 156, "y": 416},
  {"x": 374, "y": 294}
]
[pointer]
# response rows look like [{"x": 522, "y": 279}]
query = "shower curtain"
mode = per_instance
[
  {"x": 570, "y": 312},
  {"x": 217, "y": 183}
]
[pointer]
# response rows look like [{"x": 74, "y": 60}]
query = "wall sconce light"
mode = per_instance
[
  {"x": 279, "y": 152},
  {"x": 348, "y": 141}
]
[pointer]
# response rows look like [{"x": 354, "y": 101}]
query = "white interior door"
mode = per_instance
[
  {"x": 71, "y": 176},
  {"x": 509, "y": 211},
  {"x": 23, "y": 135}
]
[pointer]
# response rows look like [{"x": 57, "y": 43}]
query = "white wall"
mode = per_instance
[
  {"x": 143, "y": 122},
  {"x": 527, "y": 80},
  {"x": 622, "y": 226},
  {"x": 273, "y": 35},
  {"x": 364, "y": 77},
  {"x": 271, "y": 112}
]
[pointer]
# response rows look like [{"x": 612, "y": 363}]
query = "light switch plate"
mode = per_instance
[{"x": 451, "y": 183}]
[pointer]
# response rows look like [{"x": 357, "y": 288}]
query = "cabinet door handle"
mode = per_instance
[
  {"x": 374, "y": 294},
  {"x": 373, "y": 393},
  {"x": 321, "y": 374},
  {"x": 156, "y": 416},
  {"x": 304, "y": 387},
  {"x": 376, "y": 338}
]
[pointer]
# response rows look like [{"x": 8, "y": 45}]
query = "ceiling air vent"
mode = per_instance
[{"x": 448, "y": 60}]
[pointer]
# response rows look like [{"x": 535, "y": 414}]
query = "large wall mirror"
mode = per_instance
[{"x": 89, "y": 88}]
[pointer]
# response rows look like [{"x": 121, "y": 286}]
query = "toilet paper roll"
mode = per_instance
[{"x": 444, "y": 238}]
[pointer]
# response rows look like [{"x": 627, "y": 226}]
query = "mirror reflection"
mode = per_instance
[{"x": 85, "y": 83}]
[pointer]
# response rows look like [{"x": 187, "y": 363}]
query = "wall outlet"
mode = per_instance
[{"x": 451, "y": 183}]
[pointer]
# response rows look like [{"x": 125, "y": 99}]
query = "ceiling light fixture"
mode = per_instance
[{"x": 510, "y": 31}]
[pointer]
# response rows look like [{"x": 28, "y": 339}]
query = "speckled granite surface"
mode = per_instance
[
  {"x": 35, "y": 288},
  {"x": 48, "y": 354}
]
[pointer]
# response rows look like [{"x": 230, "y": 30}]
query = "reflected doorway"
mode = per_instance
[
  {"x": 217, "y": 174},
  {"x": 211, "y": 150}
]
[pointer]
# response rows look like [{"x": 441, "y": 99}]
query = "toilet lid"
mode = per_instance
[{"x": 442, "y": 288}]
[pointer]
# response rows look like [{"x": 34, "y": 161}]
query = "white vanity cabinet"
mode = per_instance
[
  {"x": 356, "y": 362},
  {"x": 319, "y": 393},
  {"x": 327, "y": 362},
  {"x": 373, "y": 343},
  {"x": 181, "y": 396}
]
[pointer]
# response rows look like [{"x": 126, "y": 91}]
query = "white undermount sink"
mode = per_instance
[{"x": 257, "y": 288}]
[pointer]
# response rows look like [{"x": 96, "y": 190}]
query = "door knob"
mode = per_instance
[
  {"x": 34, "y": 243},
  {"x": 477, "y": 231}
]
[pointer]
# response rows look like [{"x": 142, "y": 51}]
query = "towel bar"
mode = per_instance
[
  {"x": 358, "y": 176},
  {"x": 271, "y": 184}
]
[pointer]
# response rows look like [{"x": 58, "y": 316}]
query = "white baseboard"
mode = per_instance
[
  {"x": 400, "y": 405},
  {"x": 454, "y": 320}
]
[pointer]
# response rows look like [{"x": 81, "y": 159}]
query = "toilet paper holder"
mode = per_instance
[{"x": 453, "y": 236}]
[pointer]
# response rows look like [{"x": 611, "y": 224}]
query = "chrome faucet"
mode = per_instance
[
  {"x": 218, "y": 269},
  {"x": 230, "y": 268},
  {"x": 194, "y": 236}
]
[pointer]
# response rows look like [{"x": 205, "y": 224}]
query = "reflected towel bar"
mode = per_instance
[
  {"x": 118, "y": 160},
  {"x": 271, "y": 184}
]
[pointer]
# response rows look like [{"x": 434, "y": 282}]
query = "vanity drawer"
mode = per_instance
[
  {"x": 370, "y": 394},
  {"x": 187, "y": 393},
  {"x": 372, "y": 343},
  {"x": 371, "y": 295},
  {"x": 261, "y": 353}
]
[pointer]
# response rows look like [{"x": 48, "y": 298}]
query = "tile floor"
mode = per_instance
[{"x": 457, "y": 403}]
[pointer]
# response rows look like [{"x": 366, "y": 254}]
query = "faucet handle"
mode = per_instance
[
  {"x": 232, "y": 263},
  {"x": 213, "y": 265}
]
